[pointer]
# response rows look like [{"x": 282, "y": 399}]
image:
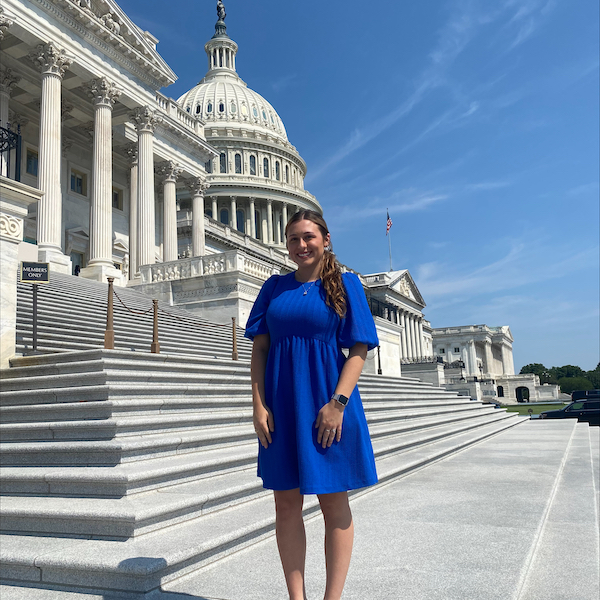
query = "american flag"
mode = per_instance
[{"x": 389, "y": 223}]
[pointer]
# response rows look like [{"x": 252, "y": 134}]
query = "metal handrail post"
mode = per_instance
[
  {"x": 234, "y": 352},
  {"x": 379, "y": 371},
  {"x": 35, "y": 318},
  {"x": 109, "y": 333},
  {"x": 155, "y": 346}
]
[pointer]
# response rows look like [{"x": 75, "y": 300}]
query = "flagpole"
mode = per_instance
[
  {"x": 388, "y": 227},
  {"x": 390, "y": 247}
]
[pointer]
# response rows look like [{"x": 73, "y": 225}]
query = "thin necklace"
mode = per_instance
[{"x": 308, "y": 288}]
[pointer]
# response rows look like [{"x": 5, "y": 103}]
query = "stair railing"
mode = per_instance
[{"x": 109, "y": 333}]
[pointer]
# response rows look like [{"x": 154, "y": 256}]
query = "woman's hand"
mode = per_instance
[
  {"x": 263, "y": 424},
  {"x": 329, "y": 423}
]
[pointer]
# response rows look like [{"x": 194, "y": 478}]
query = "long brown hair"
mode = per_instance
[{"x": 331, "y": 272}]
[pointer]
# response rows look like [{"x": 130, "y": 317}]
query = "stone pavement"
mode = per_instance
[{"x": 512, "y": 518}]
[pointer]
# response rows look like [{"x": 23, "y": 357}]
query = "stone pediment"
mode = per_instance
[
  {"x": 106, "y": 21},
  {"x": 404, "y": 284}
]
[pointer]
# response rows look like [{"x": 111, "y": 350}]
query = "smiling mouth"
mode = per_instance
[{"x": 304, "y": 254}]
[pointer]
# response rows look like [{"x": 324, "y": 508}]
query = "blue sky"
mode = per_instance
[{"x": 474, "y": 122}]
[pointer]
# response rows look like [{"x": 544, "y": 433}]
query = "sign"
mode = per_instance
[{"x": 35, "y": 272}]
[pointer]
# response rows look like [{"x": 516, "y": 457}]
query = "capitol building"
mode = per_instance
[{"x": 103, "y": 175}]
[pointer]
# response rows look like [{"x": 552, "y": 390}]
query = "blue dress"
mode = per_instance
[{"x": 302, "y": 371}]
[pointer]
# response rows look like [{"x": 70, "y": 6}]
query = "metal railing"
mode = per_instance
[
  {"x": 109, "y": 333},
  {"x": 10, "y": 141}
]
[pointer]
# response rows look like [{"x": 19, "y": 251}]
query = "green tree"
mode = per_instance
[
  {"x": 569, "y": 384},
  {"x": 594, "y": 376},
  {"x": 566, "y": 371},
  {"x": 540, "y": 370}
]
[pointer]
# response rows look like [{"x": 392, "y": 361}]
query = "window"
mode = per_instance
[
  {"x": 188, "y": 108},
  {"x": 277, "y": 174},
  {"x": 266, "y": 167},
  {"x": 457, "y": 350},
  {"x": 208, "y": 166},
  {"x": 238, "y": 163},
  {"x": 442, "y": 351},
  {"x": 272, "y": 120},
  {"x": 32, "y": 162},
  {"x": 500, "y": 392},
  {"x": 241, "y": 221},
  {"x": 287, "y": 174},
  {"x": 117, "y": 198},
  {"x": 233, "y": 108},
  {"x": 78, "y": 182},
  {"x": 224, "y": 216},
  {"x": 223, "y": 162},
  {"x": 264, "y": 114},
  {"x": 209, "y": 107},
  {"x": 198, "y": 109},
  {"x": 254, "y": 111},
  {"x": 208, "y": 212},
  {"x": 244, "y": 110},
  {"x": 252, "y": 165},
  {"x": 221, "y": 107}
]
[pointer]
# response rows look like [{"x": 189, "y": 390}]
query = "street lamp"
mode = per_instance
[{"x": 461, "y": 364}]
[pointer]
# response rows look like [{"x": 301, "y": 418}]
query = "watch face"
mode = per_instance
[{"x": 341, "y": 399}]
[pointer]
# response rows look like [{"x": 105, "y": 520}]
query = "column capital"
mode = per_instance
[
  {"x": 5, "y": 23},
  {"x": 234, "y": 198},
  {"x": 269, "y": 202},
  {"x": 8, "y": 80},
  {"x": 145, "y": 119},
  {"x": 197, "y": 186},
  {"x": 49, "y": 59},
  {"x": 130, "y": 151},
  {"x": 102, "y": 92},
  {"x": 168, "y": 171}
]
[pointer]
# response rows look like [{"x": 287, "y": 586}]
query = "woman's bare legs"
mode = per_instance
[
  {"x": 339, "y": 536},
  {"x": 291, "y": 540}
]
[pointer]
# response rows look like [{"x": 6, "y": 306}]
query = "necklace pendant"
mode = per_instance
[{"x": 305, "y": 292}]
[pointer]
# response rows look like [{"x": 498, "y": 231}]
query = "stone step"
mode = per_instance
[
  {"x": 127, "y": 478},
  {"x": 113, "y": 451},
  {"x": 127, "y": 566}
]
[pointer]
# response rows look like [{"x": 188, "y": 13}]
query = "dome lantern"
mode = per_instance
[{"x": 221, "y": 49}]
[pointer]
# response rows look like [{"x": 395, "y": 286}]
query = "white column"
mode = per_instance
[
  {"x": 409, "y": 336},
  {"x": 197, "y": 187},
  {"x": 489, "y": 363},
  {"x": 284, "y": 216},
  {"x": 131, "y": 152},
  {"x": 252, "y": 218},
  {"x": 413, "y": 337},
  {"x": 264, "y": 225},
  {"x": 270, "y": 221},
  {"x": 145, "y": 120},
  {"x": 169, "y": 171},
  {"x": 7, "y": 82},
  {"x": 420, "y": 335},
  {"x": 277, "y": 226},
  {"x": 233, "y": 213},
  {"x": 52, "y": 63},
  {"x": 214, "y": 208},
  {"x": 404, "y": 348},
  {"x": 100, "y": 266}
]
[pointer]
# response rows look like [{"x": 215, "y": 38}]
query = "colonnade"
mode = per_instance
[{"x": 412, "y": 345}]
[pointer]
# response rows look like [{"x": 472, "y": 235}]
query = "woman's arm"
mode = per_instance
[
  {"x": 262, "y": 416},
  {"x": 330, "y": 417}
]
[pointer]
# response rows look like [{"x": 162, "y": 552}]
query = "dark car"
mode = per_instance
[{"x": 585, "y": 409}]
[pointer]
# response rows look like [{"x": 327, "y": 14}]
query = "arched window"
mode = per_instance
[
  {"x": 241, "y": 221},
  {"x": 208, "y": 212},
  {"x": 223, "y": 162},
  {"x": 264, "y": 114},
  {"x": 221, "y": 107},
  {"x": 266, "y": 167},
  {"x": 188, "y": 108},
  {"x": 277, "y": 173},
  {"x": 257, "y": 220},
  {"x": 252, "y": 165},
  {"x": 272, "y": 120},
  {"x": 238, "y": 163},
  {"x": 209, "y": 107},
  {"x": 208, "y": 166},
  {"x": 294, "y": 177},
  {"x": 255, "y": 111},
  {"x": 224, "y": 216},
  {"x": 287, "y": 174},
  {"x": 233, "y": 108},
  {"x": 198, "y": 108}
]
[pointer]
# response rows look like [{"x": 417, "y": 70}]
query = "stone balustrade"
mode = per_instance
[
  {"x": 199, "y": 266},
  {"x": 173, "y": 110}
]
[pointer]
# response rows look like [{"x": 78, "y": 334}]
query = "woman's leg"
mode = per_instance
[
  {"x": 291, "y": 540},
  {"x": 339, "y": 535}
]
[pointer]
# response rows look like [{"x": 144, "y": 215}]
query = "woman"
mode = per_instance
[{"x": 308, "y": 414}]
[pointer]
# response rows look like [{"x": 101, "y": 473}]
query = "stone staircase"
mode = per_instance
[
  {"x": 124, "y": 470},
  {"x": 72, "y": 316}
]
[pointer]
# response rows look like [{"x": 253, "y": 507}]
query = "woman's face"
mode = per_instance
[{"x": 306, "y": 244}]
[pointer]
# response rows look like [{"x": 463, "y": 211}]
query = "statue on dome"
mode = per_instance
[{"x": 221, "y": 11}]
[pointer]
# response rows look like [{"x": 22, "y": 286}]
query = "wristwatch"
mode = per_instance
[{"x": 340, "y": 399}]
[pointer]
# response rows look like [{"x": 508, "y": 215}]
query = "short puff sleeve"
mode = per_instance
[
  {"x": 257, "y": 321},
  {"x": 358, "y": 325}
]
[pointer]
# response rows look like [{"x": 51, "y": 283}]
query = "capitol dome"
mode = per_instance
[{"x": 257, "y": 181}]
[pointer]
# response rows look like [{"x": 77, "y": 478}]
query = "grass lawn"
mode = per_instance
[{"x": 523, "y": 409}]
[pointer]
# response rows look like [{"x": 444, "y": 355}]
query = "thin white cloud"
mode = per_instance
[
  {"x": 284, "y": 82},
  {"x": 586, "y": 188}
]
